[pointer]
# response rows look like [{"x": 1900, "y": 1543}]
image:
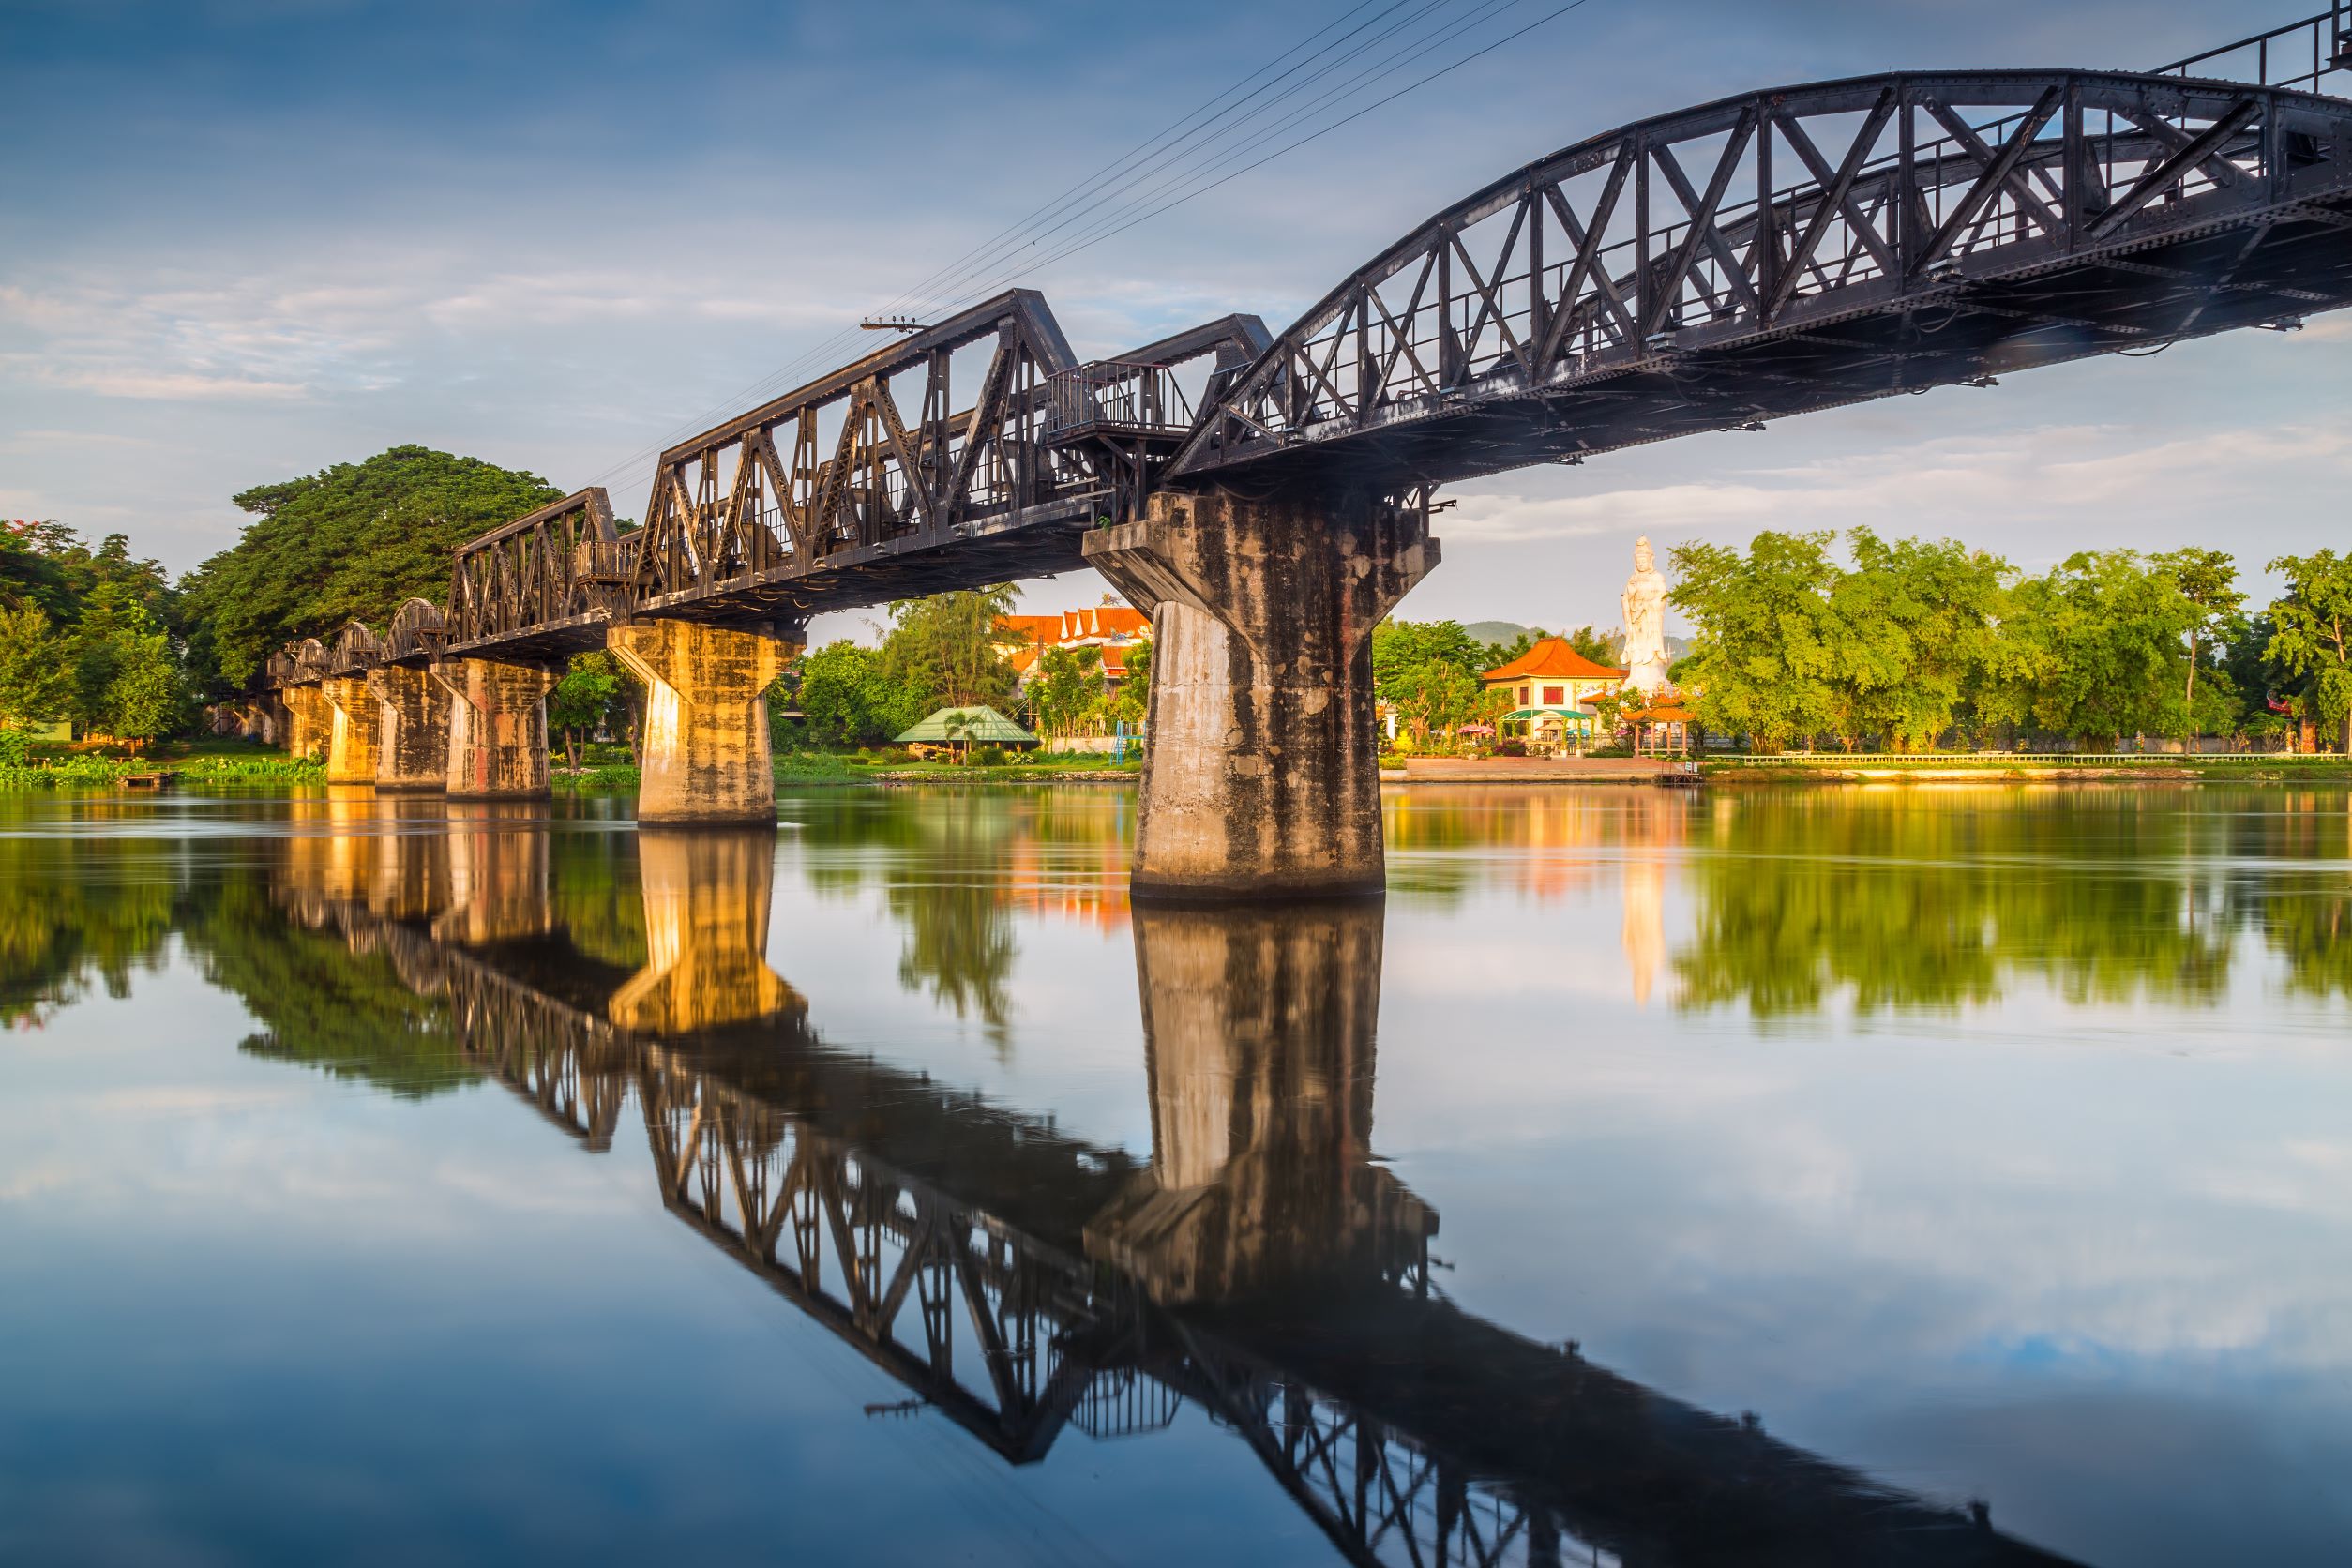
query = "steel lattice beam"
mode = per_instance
[{"x": 1795, "y": 250}]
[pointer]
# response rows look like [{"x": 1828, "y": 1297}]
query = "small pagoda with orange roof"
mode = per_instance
[{"x": 1549, "y": 685}]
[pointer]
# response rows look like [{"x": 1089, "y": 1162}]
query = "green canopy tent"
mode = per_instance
[{"x": 964, "y": 727}]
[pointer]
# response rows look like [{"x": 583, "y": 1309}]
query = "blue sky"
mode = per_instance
[{"x": 248, "y": 240}]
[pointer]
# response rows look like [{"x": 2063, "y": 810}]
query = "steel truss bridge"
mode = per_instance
[
  {"x": 957, "y": 1246},
  {"x": 1765, "y": 255}
]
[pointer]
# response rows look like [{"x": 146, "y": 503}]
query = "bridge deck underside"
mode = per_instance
[{"x": 1851, "y": 350}]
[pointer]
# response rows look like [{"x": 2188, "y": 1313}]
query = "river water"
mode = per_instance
[{"x": 1812, "y": 1176}]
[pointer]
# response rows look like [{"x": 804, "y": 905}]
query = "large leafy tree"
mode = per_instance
[
  {"x": 2094, "y": 649},
  {"x": 1067, "y": 686},
  {"x": 145, "y": 698},
  {"x": 594, "y": 692},
  {"x": 1764, "y": 662},
  {"x": 1401, "y": 645},
  {"x": 1132, "y": 702},
  {"x": 1428, "y": 671},
  {"x": 944, "y": 647},
  {"x": 1915, "y": 625},
  {"x": 347, "y": 543},
  {"x": 2207, "y": 580},
  {"x": 1434, "y": 694},
  {"x": 2310, "y": 623},
  {"x": 848, "y": 698},
  {"x": 35, "y": 671}
]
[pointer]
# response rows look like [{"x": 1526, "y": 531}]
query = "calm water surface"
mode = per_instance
[{"x": 1842, "y": 1176}]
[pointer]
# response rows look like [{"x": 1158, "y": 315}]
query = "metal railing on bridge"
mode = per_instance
[
  {"x": 2313, "y": 55},
  {"x": 1111, "y": 396}
]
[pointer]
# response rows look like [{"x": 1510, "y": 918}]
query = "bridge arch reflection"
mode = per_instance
[{"x": 1260, "y": 1265}]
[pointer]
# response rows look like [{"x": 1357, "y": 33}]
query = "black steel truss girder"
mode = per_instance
[{"x": 1997, "y": 191}]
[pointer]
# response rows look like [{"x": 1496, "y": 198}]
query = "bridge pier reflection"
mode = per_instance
[
  {"x": 706, "y": 934},
  {"x": 498, "y": 874},
  {"x": 1259, "y": 1026}
]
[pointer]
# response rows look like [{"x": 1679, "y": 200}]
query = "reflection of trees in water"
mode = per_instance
[
  {"x": 2308, "y": 923},
  {"x": 320, "y": 1003},
  {"x": 2304, "y": 912},
  {"x": 68, "y": 915},
  {"x": 954, "y": 864},
  {"x": 1918, "y": 898},
  {"x": 959, "y": 947},
  {"x": 595, "y": 897}
]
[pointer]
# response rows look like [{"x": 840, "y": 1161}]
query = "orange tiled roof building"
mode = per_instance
[
  {"x": 1109, "y": 628},
  {"x": 1549, "y": 685}
]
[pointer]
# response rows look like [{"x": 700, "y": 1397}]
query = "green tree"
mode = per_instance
[
  {"x": 1398, "y": 646},
  {"x": 849, "y": 698},
  {"x": 1915, "y": 627},
  {"x": 1435, "y": 693},
  {"x": 145, "y": 699},
  {"x": 1763, "y": 661},
  {"x": 2093, "y": 649},
  {"x": 347, "y": 543},
  {"x": 1600, "y": 647},
  {"x": 1132, "y": 702},
  {"x": 2267, "y": 695},
  {"x": 585, "y": 698},
  {"x": 1069, "y": 685},
  {"x": 2207, "y": 580},
  {"x": 2311, "y": 623},
  {"x": 944, "y": 647},
  {"x": 120, "y": 657},
  {"x": 32, "y": 567},
  {"x": 36, "y": 678}
]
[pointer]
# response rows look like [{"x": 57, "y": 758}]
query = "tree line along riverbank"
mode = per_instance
[{"x": 1796, "y": 639}]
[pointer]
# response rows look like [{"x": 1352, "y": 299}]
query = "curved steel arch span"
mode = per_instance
[{"x": 1793, "y": 249}]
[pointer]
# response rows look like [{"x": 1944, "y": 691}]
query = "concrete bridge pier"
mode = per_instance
[
  {"x": 308, "y": 721},
  {"x": 412, "y": 718},
  {"x": 352, "y": 730},
  {"x": 497, "y": 728},
  {"x": 704, "y": 746},
  {"x": 1262, "y": 776}
]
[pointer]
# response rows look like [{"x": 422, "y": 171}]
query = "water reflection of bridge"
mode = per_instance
[{"x": 1020, "y": 1280}]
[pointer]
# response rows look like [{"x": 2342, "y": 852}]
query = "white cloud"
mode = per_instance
[{"x": 168, "y": 385}]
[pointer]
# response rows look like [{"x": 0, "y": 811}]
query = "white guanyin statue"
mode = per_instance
[{"x": 1644, "y": 603}]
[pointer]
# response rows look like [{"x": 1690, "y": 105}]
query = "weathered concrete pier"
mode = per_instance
[
  {"x": 352, "y": 726},
  {"x": 706, "y": 757},
  {"x": 1263, "y": 775},
  {"x": 413, "y": 738},
  {"x": 497, "y": 728}
]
